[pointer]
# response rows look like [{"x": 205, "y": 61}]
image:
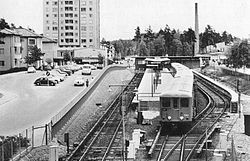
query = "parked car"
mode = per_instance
[
  {"x": 44, "y": 81},
  {"x": 61, "y": 76},
  {"x": 54, "y": 77},
  {"x": 31, "y": 70},
  {"x": 79, "y": 81},
  {"x": 86, "y": 69},
  {"x": 99, "y": 66},
  {"x": 61, "y": 72},
  {"x": 65, "y": 70}
]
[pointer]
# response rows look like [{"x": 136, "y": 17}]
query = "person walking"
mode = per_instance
[{"x": 87, "y": 83}]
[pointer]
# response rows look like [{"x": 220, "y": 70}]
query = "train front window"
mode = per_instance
[
  {"x": 184, "y": 102},
  {"x": 175, "y": 102},
  {"x": 165, "y": 102}
]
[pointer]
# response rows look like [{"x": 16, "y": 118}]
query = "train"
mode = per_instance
[{"x": 167, "y": 88}]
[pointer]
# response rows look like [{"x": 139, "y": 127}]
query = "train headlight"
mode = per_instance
[
  {"x": 169, "y": 117},
  {"x": 181, "y": 117}
]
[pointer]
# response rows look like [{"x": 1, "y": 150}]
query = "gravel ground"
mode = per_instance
[{"x": 80, "y": 123}]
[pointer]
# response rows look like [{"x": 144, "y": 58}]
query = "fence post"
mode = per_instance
[
  {"x": 2, "y": 150},
  {"x": 11, "y": 147},
  {"x": 32, "y": 138},
  {"x": 46, "y": 134}
]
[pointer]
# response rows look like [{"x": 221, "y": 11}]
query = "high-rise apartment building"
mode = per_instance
[{"x": 72, "y": 23}]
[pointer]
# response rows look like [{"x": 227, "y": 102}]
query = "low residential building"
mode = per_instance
[
  {"x": 10, "y": 50},
  {"x": 88, "y": 55},
  {"x": 14, "y": 47},
  {"x": 49, "y": 48},
  {"x": 28, "y": 38}
]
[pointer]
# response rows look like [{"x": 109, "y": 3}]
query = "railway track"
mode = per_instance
[
  {"x": 189, "y": 145},
  {"x": 104, "y": 141}
]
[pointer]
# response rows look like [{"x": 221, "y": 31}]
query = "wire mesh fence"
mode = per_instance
[{"x": 14, "y": 147}]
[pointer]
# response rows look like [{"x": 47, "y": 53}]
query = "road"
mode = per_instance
[{"x": 32, "y": 105}]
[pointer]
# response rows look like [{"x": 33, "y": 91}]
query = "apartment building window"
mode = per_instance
[
  {"x": 2, "y": 40},
  {"x": 69, "y": 27},
  {"x": 15, "y": 48},
  {"x": 47, "y": 15},
  {"x": 68, "y": 8},
  {"x": 83, "y": 3},
  {"x": 90, "y": 40},
  {"x": 61, "y": 9},
  {"x": 90, "y": 2},
  {"x": 54, "y": 3},
  {"x": 75, "y": 8},
  {"x": 47, "y": 2},
  {"x": 90, "y": 15},
  {"x": 84, "y": 21},
  {"x": 76, "y": 40},
  {"x": 54, "y": 28},
  {"x": 61, "y": 28},
  {"x": 54, "y": 9},
  {"x": 76, "y": 21},
  {"x": 76, "y": 34},
  {"x": 68, "y": 2},
  {"x": 54, "y": 23},
  {"x": 61, "y": 2},
  {"x": 47, "y": 21},
  {"x": 90, "y": 21},
  {"x": 21, "y": 49},
  {"x": 68, "y": 21},
  {"x": 47, "y": 9},
  {"x": 83, "y": 9},
  {"x": 90, "y": 9},
  {"x": 1, "y": 51},
  {"x": 62, "y": 40},
  {"x": 61, "y": 34},
  {"x": 69, "y": 34},
  {"x": 84, "y": 28},
  {"x": 76, "y": 28},
  {"x": 91, "y": 28},
  {"x": 61, "y": 15},
  {"x": 68, "y": 40},
  {"x": 76, "y": 15},
  {"x": 47, "y": 27},
  {"x": 83, "y": 40},
  {"x": 68, "y": 14},
  {"x": 32, "y": 41},
  {"x": 1, "y": 63},
  {"x": 54, "y": 15}
]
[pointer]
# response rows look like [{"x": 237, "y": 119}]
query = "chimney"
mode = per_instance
[{"x": 196, "y": 45}]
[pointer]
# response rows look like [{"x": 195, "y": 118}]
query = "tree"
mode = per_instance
[
  {"x": 4, "y": 24},
  {"x": 143, "y": 49},
  {"x": 176, "y": 48},
  {"x": 137, "y": 36},
  {"x": 34, "y": 55},
  {"x": 187, "y": 49},
  {"x": 100, "y": 59},
  {"x": 67, "y": 56},
  {"x": 159, "y": 45},
  {"x": 240, "y": 55}
]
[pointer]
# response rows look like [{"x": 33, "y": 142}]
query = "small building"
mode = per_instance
[
  {"x": 28, "y": 38},
  {"x": 49, "y": 48},
  {"x": 10, "y": 50},
  {"x": 88, "y": 55}
]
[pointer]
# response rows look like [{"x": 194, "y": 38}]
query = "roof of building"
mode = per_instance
[
  {"x": 8, "y": 32},
  {"x": 48, "y": 40},
  {"x": 27, "y": 33}
]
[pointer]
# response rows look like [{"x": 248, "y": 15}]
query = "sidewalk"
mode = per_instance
[{"x": 6, "y": 97}]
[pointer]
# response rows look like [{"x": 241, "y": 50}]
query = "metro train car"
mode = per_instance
[{"x": 176, "y": 100}]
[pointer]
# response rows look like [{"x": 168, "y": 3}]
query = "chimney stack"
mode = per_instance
[{"x": 196, "y": 45}]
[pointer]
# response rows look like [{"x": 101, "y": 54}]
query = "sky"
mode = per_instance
[{"x": 119, "y": 18}]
